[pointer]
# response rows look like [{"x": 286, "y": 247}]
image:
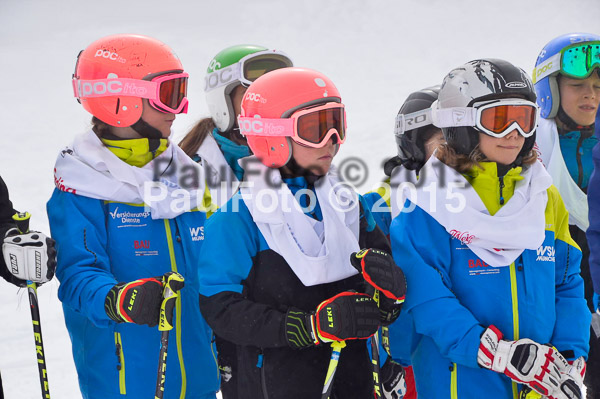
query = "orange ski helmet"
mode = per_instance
[
  {"x": 281, "y": 104},
  {"x": 114, "y": 73}
]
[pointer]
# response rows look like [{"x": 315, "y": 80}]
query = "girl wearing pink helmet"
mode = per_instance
[
  {"x": 278, "y": 273},
  {"x": 117, "y": 226}
]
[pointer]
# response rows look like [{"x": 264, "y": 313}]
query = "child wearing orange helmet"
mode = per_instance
[
  {"x": 280, "y": 274},
  {"x": 117, "y": 226}
]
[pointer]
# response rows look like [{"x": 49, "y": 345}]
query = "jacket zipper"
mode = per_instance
[
  {"x": 263, "y": 377},
  {"x": 120, "y": 363},
  {"x": 501, "y": 178},
  {"x": 213, "y": 350},
  {"x": 515, "y": 314},
  {"x": 453, "y": 381}
]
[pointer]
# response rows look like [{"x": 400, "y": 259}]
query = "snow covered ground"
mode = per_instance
[{"x": 376, "y": 52}]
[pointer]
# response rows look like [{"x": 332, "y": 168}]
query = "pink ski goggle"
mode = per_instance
[
  {"x": 311, "y": 127},
  {"x": 166, "y": 93}
]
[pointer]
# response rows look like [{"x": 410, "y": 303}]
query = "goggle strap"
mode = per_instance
[
  {"x": 111, "y": 87},
  {"x": 547, "y": 68},
  {"x": 223, "y": 77},
  {"x": 453, "y": 117},
  {"x": 258, "y": 126},
  {"x": 233, "y": 72},
  {"x": 411, "y": 121}
]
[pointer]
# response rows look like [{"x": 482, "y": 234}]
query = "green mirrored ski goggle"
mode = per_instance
[
  {"x": 579, "y": 60},
  {"x": 575, "y": 61}
]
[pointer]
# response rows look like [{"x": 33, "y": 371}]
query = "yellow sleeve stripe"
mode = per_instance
[{"x": 557, "y": 217}]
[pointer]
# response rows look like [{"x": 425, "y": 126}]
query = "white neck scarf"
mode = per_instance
[
  {"x": 317, "y": 252},
  {"x": 548, "y": 148},
  {"x": 498, "y": 240},
  {"x": 221, "y": 180},
  {"x": 89, "y": 169}
]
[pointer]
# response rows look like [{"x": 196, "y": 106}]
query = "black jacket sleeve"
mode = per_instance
[
  {"x": 6, "y": 223},
  {"x": 257, "y": 324}
]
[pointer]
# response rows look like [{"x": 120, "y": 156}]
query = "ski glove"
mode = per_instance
[
  {"x": 392, "y": 380},
  {"x": 524, "y": 361},
  {"x": 348, "y": 315},
  {"x": 29, "y": 256},
  {"x": 571, "y": 382},
  {"x": 138, "y": 301},
  {"x": 381, "y": 273}
]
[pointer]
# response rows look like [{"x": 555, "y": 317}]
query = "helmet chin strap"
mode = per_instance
[
  {"x": 571, "y": 125},
  {"x": 149, "y": 132},
  {"x": 292, "y": 169}
]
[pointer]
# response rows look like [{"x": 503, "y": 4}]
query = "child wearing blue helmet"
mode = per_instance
[{"x": 567, "y": 82}]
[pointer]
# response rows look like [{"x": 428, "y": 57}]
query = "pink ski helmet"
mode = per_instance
[
  {"x": 273, "y": 109},
  {"x": 114, "y": 73}
]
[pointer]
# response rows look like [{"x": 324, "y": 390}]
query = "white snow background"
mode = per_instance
[{"x": 376, "y": 52}]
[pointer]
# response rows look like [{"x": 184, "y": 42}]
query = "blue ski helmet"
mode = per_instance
[{"x": 547, "y": 86}]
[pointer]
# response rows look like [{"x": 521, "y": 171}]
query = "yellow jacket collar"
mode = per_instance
[
  {"x": 493, "y": 190},
  {"x": 134, "y": 152}
]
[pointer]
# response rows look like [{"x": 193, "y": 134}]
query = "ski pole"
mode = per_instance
[
  {"x": 22, "y": 221},
  {"x": 172, "y": 282},
  {"x": 336, "y": 349},
  {"x": 375, "y": 355}
]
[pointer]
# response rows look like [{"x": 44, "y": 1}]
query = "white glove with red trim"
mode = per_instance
[
  {"x": 571, "y": 382},
  {"x": 523, "y": 361}
]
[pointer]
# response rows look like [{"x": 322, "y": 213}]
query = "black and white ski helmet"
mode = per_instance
[
  {"x": 481, "y": 80},
  {"x": 411, "y": 143}
]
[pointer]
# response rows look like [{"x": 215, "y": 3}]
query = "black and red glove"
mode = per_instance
[
  {"x": 348, "y": 315},
  {"x": 138, "y": 301},
  {"x": 382, "y": 274}
]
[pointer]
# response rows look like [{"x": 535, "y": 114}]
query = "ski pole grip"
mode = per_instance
[
  {"x": 22, "y": 221},
  {"x": 172, "y": 282}
]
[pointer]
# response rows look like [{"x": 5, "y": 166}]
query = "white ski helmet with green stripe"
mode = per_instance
[{"x": 234, "y": 66}]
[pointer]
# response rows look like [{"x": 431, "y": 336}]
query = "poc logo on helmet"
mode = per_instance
[
  {"x": 254, "y": 97},
  {"x": 542, "y": 70},
  {"x": 214, "y": 64},
  {"x": 111, "y": 56}
]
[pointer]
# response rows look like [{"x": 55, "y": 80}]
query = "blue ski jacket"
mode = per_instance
[
  {"x": 577, "y": 153},
  {"x": 453, "y": 296},
  {"x": 101, "y": 243},
  {"x": 593, "y": 232}
]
